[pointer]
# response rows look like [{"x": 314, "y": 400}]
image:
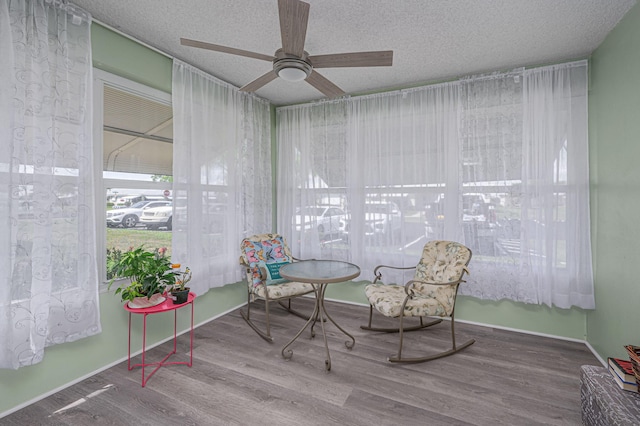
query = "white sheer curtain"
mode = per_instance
[
  {"x": 402, "y": 151},
  {"x": 47, "y": 240},
  {"x": 312, "y": 167},
  {"x": 557, "y": 240},
  {"x": 222, "y": 175},
  {"x": 525, "y": 137},
  {"x": 491, "y": 142},
  {"x": 498, "y": 162}
]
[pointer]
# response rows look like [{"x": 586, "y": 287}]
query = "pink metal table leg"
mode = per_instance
[
  {"x": 191, "y": 339},
  {"x": 129, "y": 346},
  {"x": 162, "y": 362},
  {"x": 144, "y": 346}
]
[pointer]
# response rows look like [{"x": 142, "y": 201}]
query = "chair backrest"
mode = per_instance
[
  {"x": 260, "y": 250},
  {"x": 441, "y": 262}
]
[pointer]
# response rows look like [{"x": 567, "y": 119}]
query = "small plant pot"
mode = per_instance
[{"x": 180, "y": 297}]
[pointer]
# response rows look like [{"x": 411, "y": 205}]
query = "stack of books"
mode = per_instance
[{"x": 622, "y": 372}]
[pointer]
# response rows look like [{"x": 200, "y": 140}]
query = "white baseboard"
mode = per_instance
[
  {"x": 516, "y": 330},
  {"x": 105, "y": 367},
  {"x": 593, "y": 351}
]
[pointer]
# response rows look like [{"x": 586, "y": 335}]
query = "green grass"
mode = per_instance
[{"x": 123, "y": 239}]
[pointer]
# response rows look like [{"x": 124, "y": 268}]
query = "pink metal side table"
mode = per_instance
[{"x": 165, "y": 306}]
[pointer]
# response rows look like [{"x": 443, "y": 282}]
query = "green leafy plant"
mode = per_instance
[
  {"x": 182, "y": 278},
  {"x": 113, "y": 257},
  {"x": 149, "y": 273}
]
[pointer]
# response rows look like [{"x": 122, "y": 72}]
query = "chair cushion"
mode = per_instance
[
  {"x": 284, "y": 290},
  {"x": 387, "y": 299},
  {"x": 264, "y": 249},
  {"x": 441, "y": 262}
]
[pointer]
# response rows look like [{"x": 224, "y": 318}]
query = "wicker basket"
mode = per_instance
[{"x": 634, "y": 357}]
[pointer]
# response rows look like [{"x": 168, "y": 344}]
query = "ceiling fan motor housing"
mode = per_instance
[{"x": 287, "y": 62}]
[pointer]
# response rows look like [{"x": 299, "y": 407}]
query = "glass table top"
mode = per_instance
[{"x": 320, "y": 271}]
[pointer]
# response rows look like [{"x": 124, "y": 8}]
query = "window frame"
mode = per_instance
[{"x": 101, "y": 79}]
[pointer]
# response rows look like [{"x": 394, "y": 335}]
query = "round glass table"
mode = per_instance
[{"x": 319, "y": 273}]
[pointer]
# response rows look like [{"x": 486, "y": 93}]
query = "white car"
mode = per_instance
[
  {"x": 125, "y": 201},
  {"x": 324, "y": 219},
  {"x": 157, "y": 217},
  {"x": 381, "y": 218},
  {"x": 130, "y": 216}
]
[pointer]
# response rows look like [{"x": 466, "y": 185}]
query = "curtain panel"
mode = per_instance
[
  {"x": 497, "y": 162},
  {"x": 221, "y": 166},
  {"x": 557, "y": 235},
  {"x": 312, "y": 167},
  {"x": 49, "y": 277}
]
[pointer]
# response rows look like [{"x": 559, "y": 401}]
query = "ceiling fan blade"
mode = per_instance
[
  {"x": 225, "y": 49},
  {"x": 329, "y": 89},
  {"x": 294, "y": 16},
  {"x": 259, "y": 82},
  {"x": 380, "y": 58}
]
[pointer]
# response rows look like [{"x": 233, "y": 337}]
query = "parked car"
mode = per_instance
[
  {"x": 157, "y": 217},
  {"x": 324, "y": 219},
  {"x": 478, "y": 221},
  {"x": 381, "y": 218},
  {"x": 125, "y": 201},
  {"x": 130, "y": 216}
]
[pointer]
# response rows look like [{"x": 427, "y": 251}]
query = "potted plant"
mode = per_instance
[
  {"x": 150, "y": 273},
  {"x": 179, "y": 290}
]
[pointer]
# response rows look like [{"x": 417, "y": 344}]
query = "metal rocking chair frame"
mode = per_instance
[
  {"x": 409, "y": 295},
  {"x": 262, "y": 291}
]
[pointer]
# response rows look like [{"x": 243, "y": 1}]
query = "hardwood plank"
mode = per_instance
[
  {"x": 390, "y": 412},
  {"x": 239, "y": 379}
]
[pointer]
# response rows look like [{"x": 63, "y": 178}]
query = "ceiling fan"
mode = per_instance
[{"x": 292, "y": 62}]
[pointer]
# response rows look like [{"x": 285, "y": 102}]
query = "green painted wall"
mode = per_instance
[
  {"x": 119, "y": 55},
  {"x": 614, "y": 126}
]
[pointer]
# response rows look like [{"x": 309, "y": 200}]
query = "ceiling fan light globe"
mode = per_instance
[
  {"x": 292, "y": 74},
  {"x": 292, "y": 69}
]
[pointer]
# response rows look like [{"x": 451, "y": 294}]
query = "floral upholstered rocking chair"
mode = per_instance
[
  {"x": 432, "y": 292},
  {"x": 262, "y": 256}
]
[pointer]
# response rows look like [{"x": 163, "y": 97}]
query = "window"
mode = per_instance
[
  {"x": 134, "y": 144},
  {"x": 497, "y": 162}
]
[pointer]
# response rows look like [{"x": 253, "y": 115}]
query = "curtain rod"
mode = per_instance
[
  {"x": 125, "y": 35},
  {"x": 465, "y": 79}
]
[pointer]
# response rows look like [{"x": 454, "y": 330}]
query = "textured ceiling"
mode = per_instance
[{"x": 432, "y": 40}]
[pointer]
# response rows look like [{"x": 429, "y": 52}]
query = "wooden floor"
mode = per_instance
[{"x": 239, "y": 379}]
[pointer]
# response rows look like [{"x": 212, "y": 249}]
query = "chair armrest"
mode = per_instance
[
  {"x": 409, "y": 284},
  {"x": 408, "y": 287},
  {"x": 378, "y": 274}
]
